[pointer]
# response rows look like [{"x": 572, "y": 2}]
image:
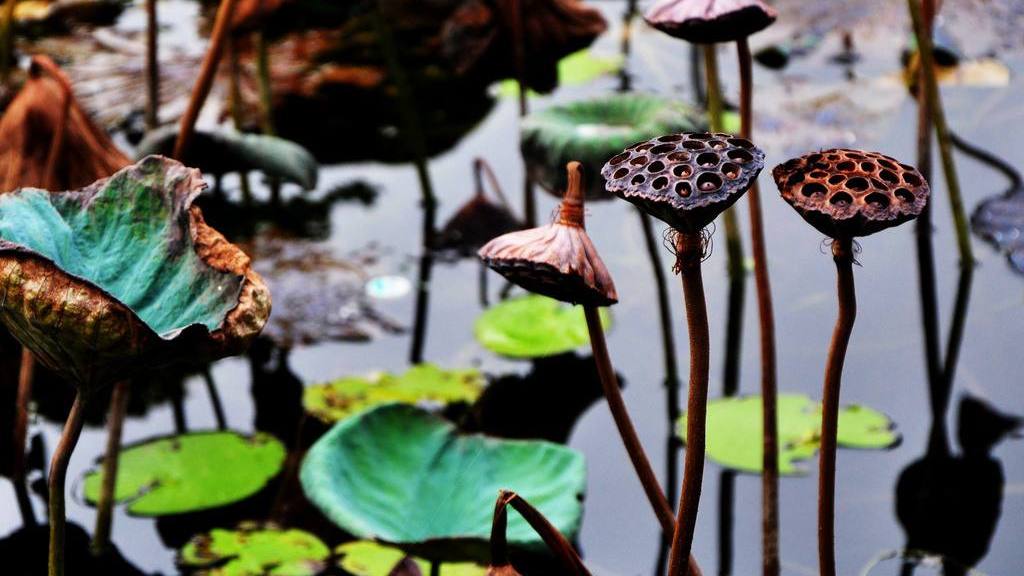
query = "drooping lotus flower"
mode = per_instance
[{"x": 123, "y": 275}]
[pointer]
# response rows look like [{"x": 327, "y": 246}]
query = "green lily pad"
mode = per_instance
[
  {"x": 592, "y": 131},
  {"x": 578, "y": 68},
  {"x": 254, "y": 550},
  {"x": 104, "y": 281},
  {"x": 224, "y": 151},
  {"x": 734, "y": 431},
  {"x": 423, "y": 383},
  {"x": 191, "y": 472},
  {"x": 400, "y": 475},
  {"x": 366, "y": 558},
  {"x": 534, "y": 327}
]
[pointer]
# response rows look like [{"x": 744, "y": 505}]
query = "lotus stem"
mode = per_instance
[
  {"x": 931, "y": 88},
  {"x": 842, "y": 253},
  {"x": 559, "y": 546},
  {"x": 152, "y": 72},
  {"x": 206, "y": 74},
  {"x": 215, "y": 402},
  {"x": 766, "y": 315},
  {"x": 57, "y": 480},
  {"x": 733, "y": 243},
  {"x": 435, "y": 568},
  {"x": 726, "y": 520},
  {"x": 105, "y": 505},
  {"x": 689, "y": 253},
  {"x": 612, "y": 393},
  {"x": 26, "y": 373}
]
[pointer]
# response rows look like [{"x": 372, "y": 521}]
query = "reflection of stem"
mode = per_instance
[
  {"x": 152, "y": 71},
  {"x": 482, "y": 167},
  {"x": 625, "y": 79},
  {"x": 726, "y": 519},
  {"x": 766, "y": 314},
  {"x": 105, "y": 505},
  {"x": 26, "y": 373},
  {"x": 842, "y": 253},
  {"x": 697, "y": 76},
  {"x": 235, "y": 104},
  {"x": 205, "y": 80},
  {"x": 215, "y": 403},
  {"x": 689, "y": 253},
  {"x": 554, "y": 540},
  {"x": 482, "y": 285},
  {"x": 411, "y": 126},
  {"x": 924, "y": 43},
  {"x": 435, "y": 568},
  {"x": 178, "y": 408},
  {"x": 57, "y": 481}
]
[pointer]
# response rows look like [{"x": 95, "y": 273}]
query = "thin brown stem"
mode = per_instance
[
  {"x": 559, "y": 546},
  {"x": 57, "y": 481},
  {"x": 205, "y": 80},
  {"x": 26, "y": 373},
  {"x": 842, "y": 253},
  {"x": 105, "y": 505},
  {"x": 689, "y": 253},
  {"x": 480, "y": 168},
  {"x": 766, "y": 314},
  {"x": 152, "y": 113},
  {"x": 610, "y": 385}
]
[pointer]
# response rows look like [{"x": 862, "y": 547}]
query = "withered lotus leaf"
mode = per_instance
[
  {"x": 685, "y": 179},
  {"x": 557, "y": 260},
  {"x": 847, "y": 193},
  {"x": 710, "y": 21},
  {"x": 124, "y": 274}
]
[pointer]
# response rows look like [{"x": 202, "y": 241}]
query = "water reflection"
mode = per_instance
[{"x": 24, "y": 553}]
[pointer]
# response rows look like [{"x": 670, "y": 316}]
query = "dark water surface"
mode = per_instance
[{"x": 884, "y": 367}]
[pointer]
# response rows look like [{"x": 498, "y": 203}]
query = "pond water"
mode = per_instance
[{"x": 809, "y": 105}]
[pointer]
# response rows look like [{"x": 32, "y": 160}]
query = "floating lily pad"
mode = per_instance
[
  {"x": 400, "y": 475},
  {"x": 576, "y": 69},
  {"x": 423, "y": 383},
  {"x": 366, "y": 558},
  {"x": 254, "y": 550},
  {"x": 1000, "y": 220},
  {"x": 734, "y": 431},
  {"x": 191, "y": 472},
  {"x": 222, "y": 152},
  {"x": 124, "y": 275},
  {"x": 592, "y": 131},
  {"x": 534, "y": 327}
]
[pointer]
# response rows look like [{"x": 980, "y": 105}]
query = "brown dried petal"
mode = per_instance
[
  {"x": 685, "y": 179},
  {"x": 847, "y": 193}
]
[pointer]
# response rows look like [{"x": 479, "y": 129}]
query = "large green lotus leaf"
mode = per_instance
[
  {"x": 734, "y": 431},
  {"x": 592, "y": 131},
  {"x": 99, "y": 281},
  {"x": 423, "y": 383},
  {"x": 533, "y": 327},
  {"x": 254, "y": 550},
  {"x": 366, "y": 558},
  {"x": 401, "y": 475},
  {"x": 224, "y": 151},
  {"x": 190, "y": 472}
]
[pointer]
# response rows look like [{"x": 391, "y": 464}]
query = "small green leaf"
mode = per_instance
[
  {"x": 254, "y": 550},
  {"x": 403, "y": 476},
  {"x": 575, "y": 69},
  {"x": 423, "y": 383},
  {"x": 734, "y": 431},
  {"x": 190, "y": 472},
  {"x": 533, "y": 327},
  {"x": 366, "y": 558}
]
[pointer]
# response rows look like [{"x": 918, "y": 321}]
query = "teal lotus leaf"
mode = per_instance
[
  {"x": 400, "y": 475},
  {"x": 190, "y": 472},
  {"x": 123, "y": 274},
  {"x": 592, "y": 131},
  {"x": 734, "y": 433},
  {"x": 222, "y": 152},
  {"x": 534, "y": 326}
]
